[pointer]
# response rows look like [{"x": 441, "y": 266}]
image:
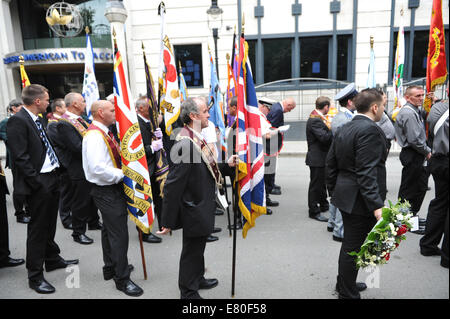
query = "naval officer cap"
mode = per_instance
[
  {"x": 347, "y": 93},
  {"x": 267, "y": 101}
]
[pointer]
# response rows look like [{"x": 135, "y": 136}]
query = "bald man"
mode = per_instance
[{"x": 102, "y": 167}]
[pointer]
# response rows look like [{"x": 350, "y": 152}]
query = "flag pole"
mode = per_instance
[
  {"x": 138, "y": 229},
  {"x": 237, "y": 194}
]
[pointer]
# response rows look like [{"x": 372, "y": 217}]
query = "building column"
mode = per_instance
[{"x": 296, "y": 12}]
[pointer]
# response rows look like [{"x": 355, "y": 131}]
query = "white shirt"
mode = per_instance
[
  {"x": 97, "y": 163},
  {"x": 265, "y": 124},
  {"x": 71, "y": 115},
  {"x": 47, "y": 166},
  {"x": 210, "y": 136}
]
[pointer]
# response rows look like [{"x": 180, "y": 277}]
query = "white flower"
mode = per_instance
[
  {"x": 392, "y": 227},
  {"x": 399, "y": 216}
]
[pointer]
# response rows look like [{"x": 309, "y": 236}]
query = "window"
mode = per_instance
[
  {"x": 344, "y": 43},
  {"x": 190, "y": 57},
  {"x": 314, "y": 57},
  {"x": 277, "y": 59},
  {"x": 252, "y": 57},
  {"x": 36, "y": 33}
]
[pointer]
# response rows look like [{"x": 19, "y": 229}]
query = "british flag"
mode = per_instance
[
  {"x": 134, "y": 163},
  {"x": 249, "y": 146}
]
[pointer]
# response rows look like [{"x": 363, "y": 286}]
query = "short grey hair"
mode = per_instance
[
  {"x": 141, "y": 101},
  {"x": 70, "y": 98},
  {"x": 187, "y": 107}
]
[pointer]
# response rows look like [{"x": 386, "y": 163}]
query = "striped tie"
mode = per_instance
[{"x": 49, "y": 149}]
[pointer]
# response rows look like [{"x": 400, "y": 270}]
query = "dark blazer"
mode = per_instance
[
  {"x": 276, "y": 115},
  {"x": 27, "y": 152},
  {"x": 147, "y": 135},
  {"x": 356, "y": 171},
  {"x": 68, "y": 144},
  {"x": 189, "y": 194},
  {"x": 319, "y": 138}
]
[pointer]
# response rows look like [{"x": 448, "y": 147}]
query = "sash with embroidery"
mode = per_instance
[
  {"x": 317, "y": 114},
  {"x": 82, "y": 129},
  {"x": 206, "y": 153},
  {"x": 111, "y": 144}
]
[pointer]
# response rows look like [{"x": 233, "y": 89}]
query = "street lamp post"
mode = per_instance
[{"x": 215, "y": 23}]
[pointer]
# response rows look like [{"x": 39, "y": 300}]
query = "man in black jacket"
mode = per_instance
[
  {"x": 356, "y": 177},
  {"x": 37, "y": 166},
  {"x": 68, "y": 139},
  {"x": 193, "y": 179},
  {"x": 319, "y": 138}
]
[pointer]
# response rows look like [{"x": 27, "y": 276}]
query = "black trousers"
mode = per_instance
[
  {"x": 41, "y": 245},
  {"x": 19, "y": 200},
  {"x": 4, "y": 238},
  {"x": 270, "y": 165},
  {"x": 356, "y": 229},
  {"x": 157, "y": 199},
  {"x": 111, "y": 202},
  {"x": 414, "y": 181},
  {"x": 65, "y": 199},
  {"x": 82, "y": 206},
  {"x": 192, "y": 266},
  {"x": 438, "y": 210},
  {"x": 317, "y": 192}
]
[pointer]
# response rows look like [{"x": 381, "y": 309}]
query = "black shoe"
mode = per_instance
[
  {"x": 420, "y": 231},
  {"x": 238, "y": 226},
  {"x": 361, "y": 286},
  {"x": 271, "y": 203},
  {"x": 444, "y": 263},
  {"x": 23, "y": 219},
  {"x": 97, "y": 226},
  {"x": 217, "y": 230},
  {"x": 219, "y": 212},
  {"x": 109, "y": 273},
  {"x": 336, "y": 238},
  {"x": 275, "y": 192},
  {"x": 330, "y": 229},
  {"x": 436, "y": 252},
  {"x": 11, "y": 262},
  {"x": 82, "y": 239},
  {"x": 60, "y": 264},
  {"x": 208, "y": 283},
  {"x": 68, "y": 226},
  {"x": 41, "y": 286},
  {"x": 319, "y": 218},
  {"x": 211, "y": 238},
  {"x": 151, "y": 238},
  {"x": 276, "y": 187},
  {"x": 129, "y": 288},
  {"x": 268, "y": 211}
]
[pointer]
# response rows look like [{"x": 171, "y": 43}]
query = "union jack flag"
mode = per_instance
[
  {"x": 134, "y": 163},
  {"x": 249, "y": 146}
]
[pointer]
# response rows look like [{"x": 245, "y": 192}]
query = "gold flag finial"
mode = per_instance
[
  {"x": 86, "y": 29},
  {"x": 371, "y": 41},
  {"x": 114, "y": 32},
  {"x": 21, "y": 59},
  {"x": 228, "y": 57},
  {"x": 243, "y": 23}
]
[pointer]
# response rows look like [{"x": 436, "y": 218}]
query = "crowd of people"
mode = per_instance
[{"x": 62, "y": 161}]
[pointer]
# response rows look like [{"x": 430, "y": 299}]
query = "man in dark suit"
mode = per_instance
[
  {"x": 193, "y": 179},
  {"x": 68, "y": 139},
  {"x": 153, "y": 143},
  {"x": 276, "y": 119},
  {"x": 356, "y": 177},
  {"x": 5, "y": 259},
  {"x": 319, "y": 138},
  {"x": 37, "y": 166}
]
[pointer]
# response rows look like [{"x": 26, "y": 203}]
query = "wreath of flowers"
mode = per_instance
[{"x": 385, "y": 236}]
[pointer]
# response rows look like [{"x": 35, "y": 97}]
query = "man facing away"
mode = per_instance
[
  {"x": 356, "y": 177},
  {"x": 189, "y": 197},
  {"x": 102, "y": 167},
  {"x": 319, "y": 137}
]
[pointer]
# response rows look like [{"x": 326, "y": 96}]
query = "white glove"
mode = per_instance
[
  {"x": 157, "y": 145},
  {"x": 158, "y": 133}
]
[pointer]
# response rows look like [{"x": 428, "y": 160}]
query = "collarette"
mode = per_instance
[
  {"x": 143, "y": 118},
  {"x": 72, "y": 115},
  {"x": 199, "y": 135},
  {"x": 101, "y": 126}
]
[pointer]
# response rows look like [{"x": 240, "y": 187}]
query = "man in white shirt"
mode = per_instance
[{"x": 102, "y": 167}]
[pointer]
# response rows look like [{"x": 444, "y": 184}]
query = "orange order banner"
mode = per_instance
[{"x": 436, "y": 60}]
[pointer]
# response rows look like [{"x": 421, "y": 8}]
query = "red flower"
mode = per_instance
[
  {"x": 388, "y": 256},
  {"x": 396, "y": 245},
  {"x": 402, "y": 230}
]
